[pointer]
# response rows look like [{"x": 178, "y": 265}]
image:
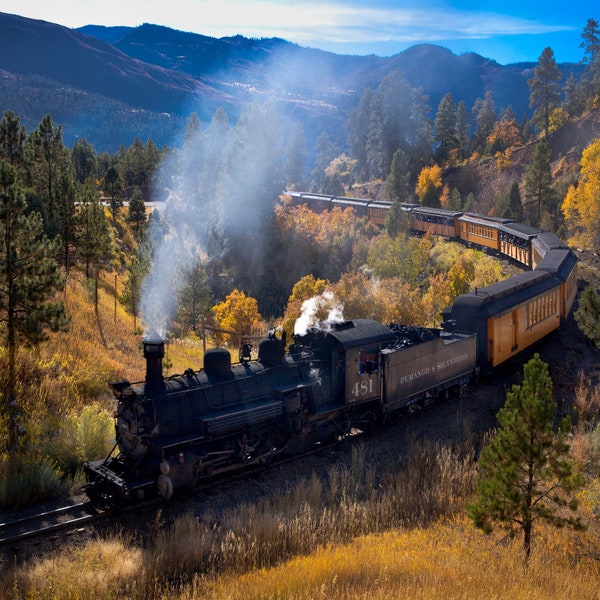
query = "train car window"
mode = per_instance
[
  {"x": 368, "y": 361},
  {"x": 540, "y": 309}
]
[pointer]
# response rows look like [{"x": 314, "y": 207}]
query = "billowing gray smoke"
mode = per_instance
[{"x": 218, "y": 191}]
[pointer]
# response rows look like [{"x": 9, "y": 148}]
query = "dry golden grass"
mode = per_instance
[
  {"x": 448, "y": 559},
  {"x": 359, "y": 533}
]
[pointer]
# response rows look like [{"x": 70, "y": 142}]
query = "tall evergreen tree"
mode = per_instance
[
  {"x": 84, "y": 160},
  {"x": 29, "y": 280},
  {"x": 47, "y": 158},
  {"x": 515, "y": 205},
  {"x": 591, "y": 43},
  {"x": 132, "y": 289},
  {"x": 538, "y": 185},
  {"x": 136, "y": 213},
  {"x": 590, "y": 82},
  {"x": 12, "y": 139},
  {"x": 445, "y": 126},
  {"x": 397, "y": 184},
  {"x": 544, "y": 89},
  {"x": 484, "y": 114},
  {"x": 463, "y": 129},
  {"x": 573, "y": 102},
  {"x": 397, "y": 187},
  {"x": 94, "y": 237},
  {"x": 195, "y": 299},
  {"x": 66, "y": 209},
  {"x": 526, "y": 474},
  {"x": 113, "y": 188}
]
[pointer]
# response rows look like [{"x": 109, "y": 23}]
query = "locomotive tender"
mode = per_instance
[{"x": 176, "y": 431}]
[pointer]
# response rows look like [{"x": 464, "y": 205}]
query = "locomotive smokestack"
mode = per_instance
[{"x": 154, "y": 352}]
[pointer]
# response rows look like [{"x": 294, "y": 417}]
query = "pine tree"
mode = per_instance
[
  {"x": 526, "y": 474},
  {"x": 397, "y": 185},
  {"x": 514, "y": 202},
  {"x": 136, "y": 213},
  {"x": 29, "y": 280},
  {"x": 445, "y": 126},
  {"x": 94, "y": 237},
  {"x": 462, "y": 130},
  {"x": 47, "y": 159},
  {"x": 113, "y": 188},
  {"x": 12, "y": 139},
  {"x": 538, "y": 185},
  {"x": 591, "y": 42},
  {"x": 132, "y": 290},
  {"x": 194, "y": 300},
  {"x": 84, "y": 160},
  {"x": 484, "y": 113},
  {"x": 544, "y": 89},
  {"x": 587, "y": 314}
]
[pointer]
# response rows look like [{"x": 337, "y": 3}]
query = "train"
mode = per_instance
[
  {"x": 510, "y": 315},
  {"x": 333, "y": 379}
]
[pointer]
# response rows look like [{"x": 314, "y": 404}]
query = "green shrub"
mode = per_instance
[
  {"x": 88, "y": 435},
  {"x": 27, "y": 482}
]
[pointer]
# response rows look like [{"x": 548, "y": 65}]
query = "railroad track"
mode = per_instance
[
  {"x": 66, "y": 517},
  {"x": 77, "y": 515}
]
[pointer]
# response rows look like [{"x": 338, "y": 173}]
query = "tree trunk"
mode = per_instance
[
  {"x": 11, "y": 393},
  {"x": 527, "y": 529}
]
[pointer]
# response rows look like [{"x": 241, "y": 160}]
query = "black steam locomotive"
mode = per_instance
[{"x": 177, "y": 431}]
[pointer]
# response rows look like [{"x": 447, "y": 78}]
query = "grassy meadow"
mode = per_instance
[{"x": 363, "y": 531}]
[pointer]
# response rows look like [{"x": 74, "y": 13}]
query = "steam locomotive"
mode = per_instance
[{"x": 175, "y": 432}]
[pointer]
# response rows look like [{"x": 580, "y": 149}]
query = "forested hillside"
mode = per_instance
[{"x": 109, "y": 85}]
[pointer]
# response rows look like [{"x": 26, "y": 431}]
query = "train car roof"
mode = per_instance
[
  {"x": 519, "y": 229},
  {"x": 501, "y": 296},
  {"x": 350, "y": 201},
  {"x": 379, "y": 203},
  {"x": 559, "y": 261},
  {"x": 483, "y": 219},
  {"x": 359, "y": 332},
  {"x": 439, "y": 212},
  {"x": 546, "y": 241}
]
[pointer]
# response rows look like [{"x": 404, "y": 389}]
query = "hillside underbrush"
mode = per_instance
[{"x": 66, "y": 405}]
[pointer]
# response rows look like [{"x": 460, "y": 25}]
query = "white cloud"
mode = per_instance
[{"x": 301, "y": 22}]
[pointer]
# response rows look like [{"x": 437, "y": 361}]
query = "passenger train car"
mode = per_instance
[{"x": 510, "y": 315}]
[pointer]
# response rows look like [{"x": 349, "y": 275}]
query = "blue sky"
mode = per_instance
[{"x": 506, "y": 31}]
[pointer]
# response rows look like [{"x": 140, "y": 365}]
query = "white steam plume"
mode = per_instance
[
  {"x": 316, "y": 305},
  {"x": 219, "y": 186}
]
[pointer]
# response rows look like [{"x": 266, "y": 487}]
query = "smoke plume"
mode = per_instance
[{"x": 314, "y": 307}]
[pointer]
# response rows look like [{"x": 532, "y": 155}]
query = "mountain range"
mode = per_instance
[{"x": 111, "y": 84}]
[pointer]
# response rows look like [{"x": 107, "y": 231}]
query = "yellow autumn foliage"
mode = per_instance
[
  {"x": 581, "y": 206},
  {"x": 430, "y": 178},
  {"x": 237, "y": 312}
]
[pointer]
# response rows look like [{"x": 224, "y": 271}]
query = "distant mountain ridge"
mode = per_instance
[{"x": 110, "y": 84}]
